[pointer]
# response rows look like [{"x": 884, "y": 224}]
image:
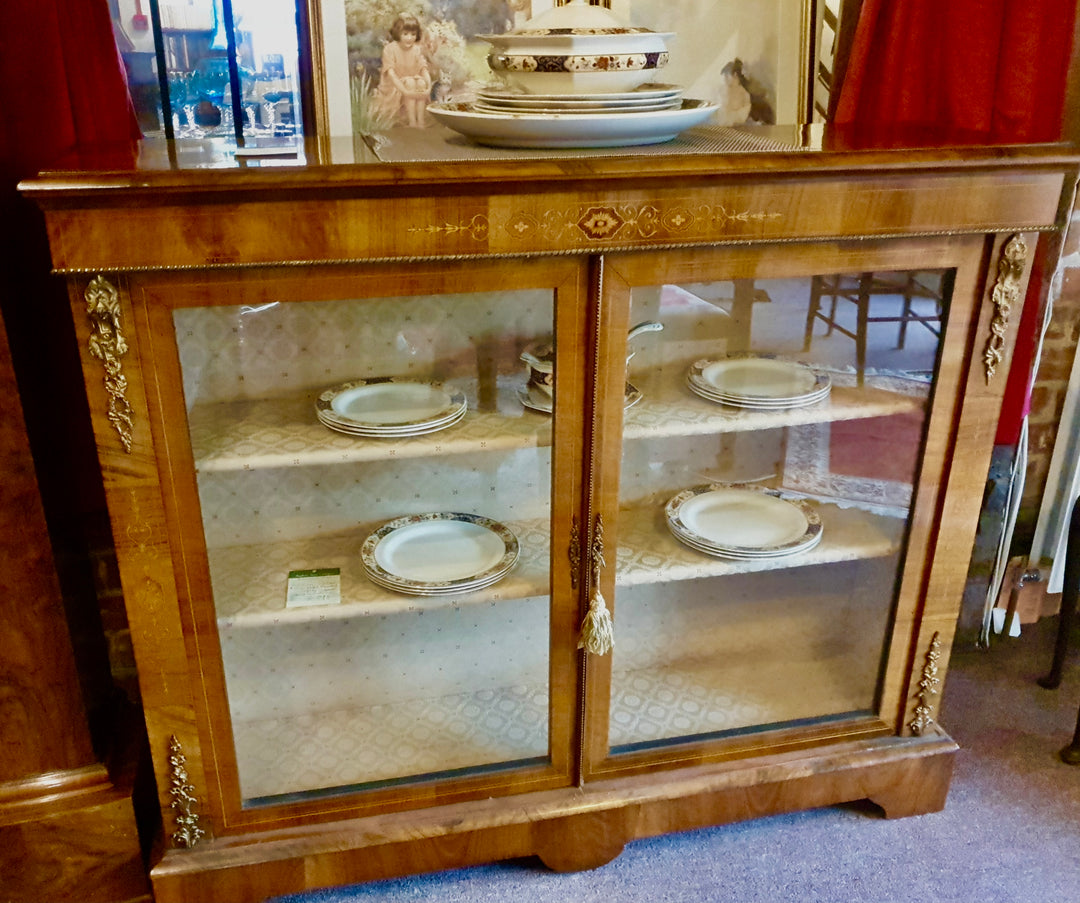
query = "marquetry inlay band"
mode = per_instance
[
  {"x": 107, "y": 344},
  {"x": 1006, "y": 293},
  {"x": 596, "y": 224},
  {"x": 574, "y": 552},
  {"x": 477, "y": 228},
  {"x": 188, "y": 832},
  {"x": 928, "y": 688}
]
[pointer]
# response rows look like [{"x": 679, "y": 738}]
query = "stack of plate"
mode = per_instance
[
  {"x": 758, "y": 383},
  {"x": 646, "y": 99},
  {"x": 388, "y": 407},
  {"x": 742, "y": 522},
  {"x": 439, "y": 554}
]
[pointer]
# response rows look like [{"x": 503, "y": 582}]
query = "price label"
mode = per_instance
[{"x": 321, "y": 586}]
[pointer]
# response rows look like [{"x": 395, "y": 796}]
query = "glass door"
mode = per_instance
[
  {"x": 770, "y": 450},
  {"x": 373, "y": 506}
]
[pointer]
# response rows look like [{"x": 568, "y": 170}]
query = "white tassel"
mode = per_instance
[{"x": 597, "y": 630}]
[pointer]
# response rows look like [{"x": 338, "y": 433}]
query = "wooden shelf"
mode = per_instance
[
  {"x": 669, "y": 408},
  {"x": 284, "y": 432},
  {"x": 648, "y": 553},
  {"x": 247, "y": 435},
  {"x": 250, "y": 581}
]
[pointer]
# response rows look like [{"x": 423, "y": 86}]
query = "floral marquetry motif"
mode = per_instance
[
  {"x": 476, "y": 228},
  {"x": 600, "y": 223}
]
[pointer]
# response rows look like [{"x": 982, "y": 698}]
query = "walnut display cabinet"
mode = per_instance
[{"x": 432, "y": 559}]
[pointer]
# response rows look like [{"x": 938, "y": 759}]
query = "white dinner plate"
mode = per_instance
[
  {"x": 644, "y": 93},
  {"x": 389, "y": 405},
  {"x": 742, "y": 556},
  {"x": 423, "y": 590},
  {"x": 553, "y": 130},
  {"x": 341, "y": 426},
  {"x": 440, "y": 552},
  {"x": 761, "y": 404},
  {"x": 754, "y": 378},
  {"x": 545, "y": 109},
  {"x": 740, "y": 518}
]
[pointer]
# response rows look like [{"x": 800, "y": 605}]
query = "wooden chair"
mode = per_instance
[{"x": 916, "y": 293}]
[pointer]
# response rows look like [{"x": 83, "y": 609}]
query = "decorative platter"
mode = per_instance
[{"x": 566, "y": 130}]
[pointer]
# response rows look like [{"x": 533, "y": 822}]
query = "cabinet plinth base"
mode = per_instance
[
  {"x": 71, "y": 836},
  {"x": 569, "y": 829}
]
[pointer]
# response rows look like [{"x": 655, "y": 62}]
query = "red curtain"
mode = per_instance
[
  {"x": 64, "y": 82},
  {"x": 993, "y": 67},
  {"x": 64, "y": 86}
]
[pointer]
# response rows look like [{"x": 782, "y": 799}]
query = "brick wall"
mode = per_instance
[{"x": 1051, "y": 381}]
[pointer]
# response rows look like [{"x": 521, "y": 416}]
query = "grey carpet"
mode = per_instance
[{"x": 1010, "y": 831}]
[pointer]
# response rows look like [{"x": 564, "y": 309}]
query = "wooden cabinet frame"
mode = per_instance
[{"x": 136, "y": 245}]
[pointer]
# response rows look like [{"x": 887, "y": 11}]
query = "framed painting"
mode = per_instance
[{"x": 753, "y": 58}]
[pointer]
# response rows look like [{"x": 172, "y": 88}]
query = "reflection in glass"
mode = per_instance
[
  {"x": 193, "y": 42},
  {"x": 763, "y": 400}
]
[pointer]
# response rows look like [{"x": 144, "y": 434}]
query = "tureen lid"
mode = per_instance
[{"x": 577, "y": 18}]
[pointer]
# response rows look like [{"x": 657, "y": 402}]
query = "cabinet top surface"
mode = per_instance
[{"x": 420, "y": 159}]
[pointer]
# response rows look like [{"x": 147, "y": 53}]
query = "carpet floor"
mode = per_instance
[{"x": 1010, "y": 831}]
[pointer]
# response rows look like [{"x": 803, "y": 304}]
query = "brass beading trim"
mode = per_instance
[{"x": 564, "y": 252}]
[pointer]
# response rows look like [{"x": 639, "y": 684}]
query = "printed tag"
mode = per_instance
[{"x": 321, "y": 586}]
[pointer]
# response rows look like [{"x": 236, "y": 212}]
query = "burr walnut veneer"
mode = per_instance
[{"x": 311, "y": 725}]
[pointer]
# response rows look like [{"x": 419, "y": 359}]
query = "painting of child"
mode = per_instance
[
  {"x": 404, "y": 80},
  {"x": 404, "y": 54}
]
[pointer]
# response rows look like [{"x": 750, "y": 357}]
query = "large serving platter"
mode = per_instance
[
  {"x": 389, "y": 407},
  {"x": 439, "y": 553},
  {"x": 566, "y": 130},
  {"x": 742, "y": 521}
]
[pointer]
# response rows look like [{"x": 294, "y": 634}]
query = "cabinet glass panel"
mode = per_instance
[
  {"x": 375, "y": 500},
  {"x": 765, "y": 496}
]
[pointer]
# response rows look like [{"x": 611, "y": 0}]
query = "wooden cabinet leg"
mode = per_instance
[
  {"x": 578, "y": 843},
  {"x": 919, "y": 790}
]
